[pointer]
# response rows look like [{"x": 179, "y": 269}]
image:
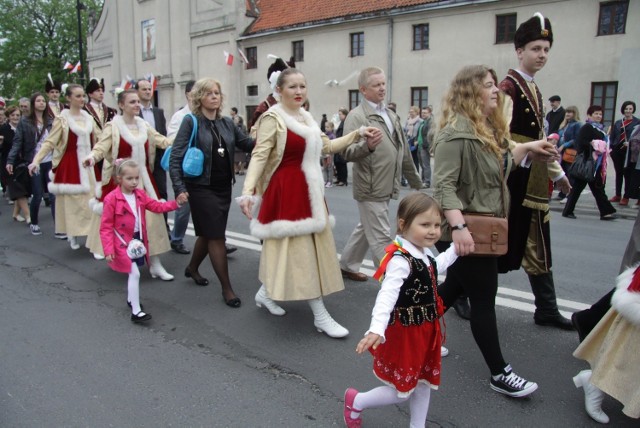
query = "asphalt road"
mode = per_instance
[{"x": 71, "y": 357}]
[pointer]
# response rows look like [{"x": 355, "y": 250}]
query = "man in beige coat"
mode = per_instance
[{"x": 376, "y": 173}]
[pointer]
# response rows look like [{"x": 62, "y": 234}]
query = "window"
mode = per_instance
[
  {"x": 420, "y": 37},
  {"x": 505, "y": 28},
  {"x": 355, "y": 97},
  {"x": 252, "y": 56},
  {"x": 252, "y": 90},
  {"x": 613, "y": 17},
  {"x": 298, "y": 50},
  {"x": 604, "y": 94},
  {"x": 420, "y": 97},
  {"x": 357, "y": 44}
]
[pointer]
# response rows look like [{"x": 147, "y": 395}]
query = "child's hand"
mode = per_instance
[
  {"x": 109, "y": 257},
  {"x": 370, "y": 340},
  {"x": 182, "y": 198}
]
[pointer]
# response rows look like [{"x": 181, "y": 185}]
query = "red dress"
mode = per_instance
[{"x": 287, "y": 196}]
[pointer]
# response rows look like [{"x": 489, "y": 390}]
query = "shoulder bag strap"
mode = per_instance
[{"x": 194, "y": 130}]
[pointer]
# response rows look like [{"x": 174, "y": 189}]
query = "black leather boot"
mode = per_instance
[
  {"x": 547, "y": 313},
  {"x": 584, "y": 321},
  {"x": 461, "y": 306}
]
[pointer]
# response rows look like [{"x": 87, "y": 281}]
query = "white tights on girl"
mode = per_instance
[
  {"x": 133, "y": 289},
  {"x": 386, "y": 395}
]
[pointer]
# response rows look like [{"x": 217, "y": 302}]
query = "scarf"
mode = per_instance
[{"x": 623, "y": 134}]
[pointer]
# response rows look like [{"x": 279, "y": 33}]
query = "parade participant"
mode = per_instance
[
  {"x": 473, "y": 160},
  {"x": 612, "y": 349},
  {"x": 128, "y": 135},
  {"x": 122, "y": 224},
  {"x": 30, "y": 133},
  {"x": 96, "y": 107},
  {"x": 53, "y": 90},
  {"x": 620, "y": 134},
  {"x": 284, "y": 182},
  {"x": 70, "y": 142},
  {"x": 556, "y": 115},
  {"x": 411, "y": 128},
  {"x": 568, "y": 132},
  {"x": 342, "y": 172},
  {"x": 405, "y": 335},
  {"x": 278, "y": 66},
  {"x": 23, "y": 105},
  {"x": 376, "y": 173},
  {"x": 425, "y": 133},
  {"x": 592, "y": 141},
  {"x": 210, "y": 193},
  {"x": 7, "y": 132},
  {"x": 529, "y": 230}
]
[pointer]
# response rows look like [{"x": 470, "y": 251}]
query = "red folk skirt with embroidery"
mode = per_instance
[
  {"x": 410, "y": 354},
  {"x": 68, "y": 170}
]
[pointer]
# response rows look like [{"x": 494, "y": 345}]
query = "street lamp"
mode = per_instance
[{"x": 80, "y": 6}]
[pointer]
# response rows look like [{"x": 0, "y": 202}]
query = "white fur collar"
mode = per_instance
[
  {"x": 126, "y": 133},
  {"x": 77, "y": 129},
  {"x": 625, "y": 302}
]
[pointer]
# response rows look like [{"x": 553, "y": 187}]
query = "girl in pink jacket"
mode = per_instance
[{"x": 123, "y": 220}]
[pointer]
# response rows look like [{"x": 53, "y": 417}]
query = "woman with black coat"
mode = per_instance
[
  {"x": 590, "y": 131},
  {"x": 210, "y": 193}
]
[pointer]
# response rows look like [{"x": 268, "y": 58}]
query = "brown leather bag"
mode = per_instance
[{"x": 489, "y": 233}]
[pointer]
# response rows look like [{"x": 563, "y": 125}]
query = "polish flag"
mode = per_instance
[
  {"x": 126, "y": 83},
  {"x": 243, "y": 56},
  {"x": 67, "y": 66},
  {"x": 228, "y": 58},
  {"x": 152, "y": 79},
  {"x": 77, "y": 68}
]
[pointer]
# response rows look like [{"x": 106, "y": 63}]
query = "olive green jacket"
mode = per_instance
[{"x": 467, "y": 176}]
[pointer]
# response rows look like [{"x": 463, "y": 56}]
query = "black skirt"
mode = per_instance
[
  {"x": 210, "y": 209},
  {"x": 20, "y": 184}
]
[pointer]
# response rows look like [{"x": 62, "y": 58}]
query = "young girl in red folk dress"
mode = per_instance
[
  {"x": 405, "y": 335},
  {"x": 122, "y": 221}
]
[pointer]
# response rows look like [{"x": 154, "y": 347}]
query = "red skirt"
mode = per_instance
[{"x": 409, "y": 355}]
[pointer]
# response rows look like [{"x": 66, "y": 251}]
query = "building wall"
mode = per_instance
[{"x": 192, "y": 35}]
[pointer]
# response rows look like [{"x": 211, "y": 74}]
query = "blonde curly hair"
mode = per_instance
[
  {"x": 200, "y": 90},
  {"x": 464, "y": 98}
]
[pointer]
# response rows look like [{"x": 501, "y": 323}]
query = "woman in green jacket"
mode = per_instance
[{"x": 473, "y": 158}]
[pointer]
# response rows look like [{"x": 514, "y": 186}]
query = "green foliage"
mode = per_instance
[{"x": 36, "y": 38}]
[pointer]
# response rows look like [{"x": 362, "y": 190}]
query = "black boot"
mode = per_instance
[
  {"x": 461, "y": 306},
  {"x": 547, "y": 313},
  {"x": 585, "y": 321}
]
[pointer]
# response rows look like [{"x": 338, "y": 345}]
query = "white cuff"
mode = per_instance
[
  {"x": 559, "y": 177},
  {"x": 526, "y": 162}
]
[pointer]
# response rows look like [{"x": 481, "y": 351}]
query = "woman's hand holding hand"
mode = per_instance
[
  {"x": 542, "y": 150},
  {"x": 10, "y": 169},
  {"x": 89, "y": 161},
  {"x": 373, "y": 136},
  {"x": 463, "y": 241},
  {"x": 246, "y": 205},
  {"x": 109, "y": 257},
  {"x": 182, "y": 198},
  {"x": 33, "y": 169},
  {"x": 371, "y": 340}
]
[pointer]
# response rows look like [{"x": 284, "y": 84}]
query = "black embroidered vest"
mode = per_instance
[{"x": 418, "y": 298}]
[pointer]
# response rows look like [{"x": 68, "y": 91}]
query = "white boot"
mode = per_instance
[
  {"x": 98, "y": 256},
  {"x": 73, "y": 243},
  {"x": 592, "y": 397},
  {"x": 263, "y": 299},
  {"x": 323, "y": 321},
  {"x": 156, "y": 270}
]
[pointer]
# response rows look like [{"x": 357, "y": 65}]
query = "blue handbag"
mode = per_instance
[{"x": 193, "y": 162}]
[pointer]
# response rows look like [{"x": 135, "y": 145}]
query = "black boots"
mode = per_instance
[
  {"x": 461, "y": 306},
  {"x": 585, "y": 321},
  {"x": 547, "y": 313}
]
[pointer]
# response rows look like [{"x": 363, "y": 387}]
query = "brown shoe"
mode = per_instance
[
  {"x": 615, "y": 199},
  {"x": 354, "y": 276},
  {"x": 624, "y": 202}
]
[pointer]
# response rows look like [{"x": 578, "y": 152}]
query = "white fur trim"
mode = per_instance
[
  {"x": 625, "y": 302},
  {"x": 83, "y": 149},
  {"x": 96, "y": 206},
  {"x": 138, "y": 153},
  {"x": 315, "y": 183}
]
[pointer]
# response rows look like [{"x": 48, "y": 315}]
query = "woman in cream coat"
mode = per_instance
[
  {"x": 129, "y": 136},
  {"x": 283, "y": 195}
]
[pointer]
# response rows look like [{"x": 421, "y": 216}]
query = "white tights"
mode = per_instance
[
  {"x": 386, "y": 395},
  {"x": 133, "y": 288}
]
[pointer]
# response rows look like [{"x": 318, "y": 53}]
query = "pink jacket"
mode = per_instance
[{"x": 117, "y": 214}]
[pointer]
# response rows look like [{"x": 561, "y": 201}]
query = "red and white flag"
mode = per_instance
[
  {"x": 243, "y": 56},
  {"x": 152, "y": 79},
  {"x": 228, "y": 58},
  {"x": 127, "y": 83},
  {"x": 67, "y": 66},
  {"x": 77, "y": 68}
]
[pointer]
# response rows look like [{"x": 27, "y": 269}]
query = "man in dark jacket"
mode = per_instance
[{"x": 556, "y": 115}]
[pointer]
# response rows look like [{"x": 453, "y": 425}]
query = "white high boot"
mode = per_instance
[
  {"x": 263, "y": 299},
  {"x": 592, "y": 397},
  {"x": 323, "y": 321},
  {"x": 73, "y": 243},
  {"x": 157, "y": 270}
]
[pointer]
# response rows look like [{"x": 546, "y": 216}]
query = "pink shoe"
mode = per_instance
[{"x": 349, "y": 396}]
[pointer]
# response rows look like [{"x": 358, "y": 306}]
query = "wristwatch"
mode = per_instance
[{"x": 459, "y": 226}]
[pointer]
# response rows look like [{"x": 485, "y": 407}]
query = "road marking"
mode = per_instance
[{"x": 507, "y": 297}]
